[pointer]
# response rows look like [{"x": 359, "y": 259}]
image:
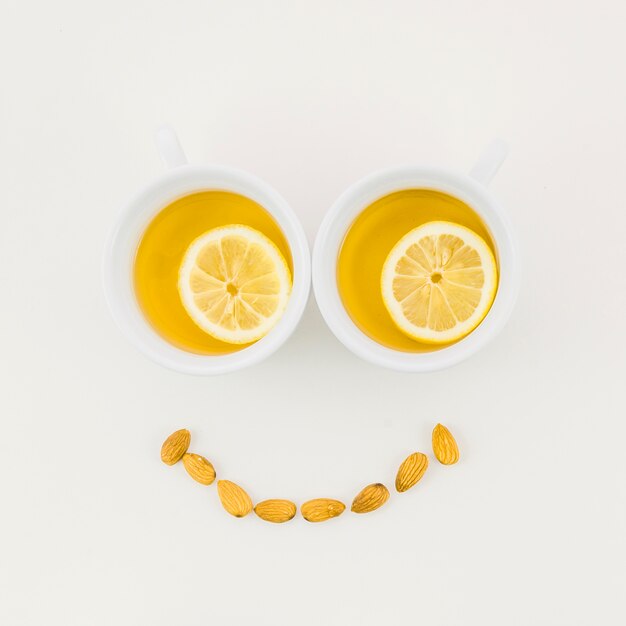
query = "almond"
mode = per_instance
[
  {"x": 444, "y": 446},
  {"x": 234, "y": 499},
  {"x": 199, "y": 468},
  {"x": 277, "y": 511},
  {"x": 411, "y": 470},
  {"x": 321, "y": 509},
  {"x": 175, "y": 446},
  {"x": 370, "y": 498}
]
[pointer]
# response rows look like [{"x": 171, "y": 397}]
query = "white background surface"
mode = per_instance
[{"x": 529, "y": 528}]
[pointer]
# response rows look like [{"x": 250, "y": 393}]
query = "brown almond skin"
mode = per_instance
[
  {"x": 322, "y": 509},
  {"x": 276, "y": 511},
  {"x": 370, "y": 498},
  {"x": 199, "y": 468},
  {"x": 175, "y": 446},
  {"x": 444, "y": 446},
  {"x": 411, "y": 471},
  {"x": 234, "y": 499}
]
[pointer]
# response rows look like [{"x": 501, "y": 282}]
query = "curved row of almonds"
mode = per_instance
[{"x": 238, "y": 503}]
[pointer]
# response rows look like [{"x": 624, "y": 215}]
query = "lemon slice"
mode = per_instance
[
  {"x": 439, "y": 282},
  {"x": 234, "y": 283}
]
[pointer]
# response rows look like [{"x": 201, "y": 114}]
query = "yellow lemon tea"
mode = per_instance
[
  {"x": 162, "y": 249},
  {"x": 369, "y": 241}
]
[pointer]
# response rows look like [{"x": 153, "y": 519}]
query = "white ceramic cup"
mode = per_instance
[
  {"x": 119, "y": 256},
  {"x": 471, "y": 189}
]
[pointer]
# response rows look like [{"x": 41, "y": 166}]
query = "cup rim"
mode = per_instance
[
  {"x": 121, "y": 245},
  {"x": 340, "y": 217}
]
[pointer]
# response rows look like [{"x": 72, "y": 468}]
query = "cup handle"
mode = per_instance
[
  {"x": 169, "y": 147},
  {"x": 489, "y": 162}
]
